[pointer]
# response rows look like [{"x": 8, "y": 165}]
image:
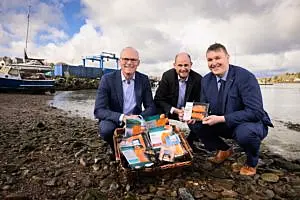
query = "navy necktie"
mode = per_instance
[{"x": 220, "y": 98}]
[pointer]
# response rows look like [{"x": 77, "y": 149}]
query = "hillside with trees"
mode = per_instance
[{"x": 282, "y": 78}]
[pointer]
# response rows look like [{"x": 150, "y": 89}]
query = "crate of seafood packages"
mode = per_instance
[{"x": 151, "y": 145}]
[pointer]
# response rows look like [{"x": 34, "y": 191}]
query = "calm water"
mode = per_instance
[{"x": 280, "y": 100}]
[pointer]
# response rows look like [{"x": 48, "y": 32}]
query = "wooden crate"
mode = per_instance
[{"x": 156, "y": 170}]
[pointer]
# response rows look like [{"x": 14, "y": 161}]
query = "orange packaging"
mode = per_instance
[
  {"x": 161, "y": 122},
  {"x": 179, "y": 150},
  {"x": 199, "y": 108},
  {"x": 140, "y": 153},
  {"x": 163, "y": 137},
  {"x": 198, "y": 116},
  {"x": 137, "y": 130}
]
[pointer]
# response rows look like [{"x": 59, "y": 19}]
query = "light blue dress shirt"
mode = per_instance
[
  {"x": 223, "y": 78},
  {"x": 129, "y": 101}
]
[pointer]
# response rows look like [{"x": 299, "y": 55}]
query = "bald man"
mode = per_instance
[
  {"x": 121, "y": 94},
  {"x": 177, "y": 86}
]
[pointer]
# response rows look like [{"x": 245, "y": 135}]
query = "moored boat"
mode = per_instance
[{"x": 26, "y": 77}]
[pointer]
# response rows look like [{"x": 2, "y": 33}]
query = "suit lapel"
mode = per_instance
[
  {"x": 119, "y": 88},
  {"x": 229, "y": 81},
  {"x": 176, "y": 88},
  {"x": 212, "y": 92},
  {"x": 137, "y": 88}
]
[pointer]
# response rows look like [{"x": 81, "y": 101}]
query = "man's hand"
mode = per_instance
[
  {"x": 213, "y": 119},
  {"x": 179, "y": 112}
]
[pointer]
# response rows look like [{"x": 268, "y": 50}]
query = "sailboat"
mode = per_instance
[{"x": 32, "y": 74}]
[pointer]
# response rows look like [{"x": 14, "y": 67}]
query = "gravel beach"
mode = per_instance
[{"x": 47, "y": 154}]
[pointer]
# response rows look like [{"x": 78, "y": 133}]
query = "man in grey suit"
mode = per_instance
[{"x": 121, "y": 94}]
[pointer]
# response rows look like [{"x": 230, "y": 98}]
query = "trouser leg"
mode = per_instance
[
  {"x": 106, "y": 130},
  {"x": 249, "y": 137},
  {"x": 210, "y": 136},
  {"x": 192, "y": 135}
]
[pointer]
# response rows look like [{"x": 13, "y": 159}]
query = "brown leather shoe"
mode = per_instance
[
  {"x": 248, "y": 171},
  {"x": 220, "y": 156}
]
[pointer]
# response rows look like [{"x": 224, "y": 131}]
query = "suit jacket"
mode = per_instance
[
  {"x": 168, "y": 90},
  {"x": 109, "y": 99},
  {"x": 242, "y": 100}
]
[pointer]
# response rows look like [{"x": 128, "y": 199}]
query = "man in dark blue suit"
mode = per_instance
[
  {"x": 121, "y": 94},
  {"x": 236, "y": 110}
]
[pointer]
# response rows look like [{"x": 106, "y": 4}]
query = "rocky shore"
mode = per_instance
[
  {"x": 73, "y": 83},
  {"x": 46, "y": 154}
]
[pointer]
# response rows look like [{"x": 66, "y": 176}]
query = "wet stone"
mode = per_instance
[
  {"x": 58, "y": 172},
  {"x": 86, "y": 182},
  {"x": 184, "y": 194},
  {"x": 160, "y": 193},
  {"x": 219, "y": 173},
  {"x": 114, "y": 186},
  {"x": 146, "y": 197},
  {"x": 17, "y": 197},
  {"x": 198, "y": 194},
  {"x": 229, "y": 193},
  {"x": 152, "y": 189},
  {"x": 270, "y": 177},
  {"x": 91, "y": 194},
  {"x": 275, "y": 171},
  {"x": 71, "y": 184},
  {"x": 236, "y": 167},
  {"x": 51, "y": 182},
  {"x": 224, "y": 183},
  {"x": 173, "y": 194},
  {"x": 211, "y": 195},
  {"x": 6, "y": 187},
  {"x": 62, "y": 192},
  {"x": 269, "y": 194}
]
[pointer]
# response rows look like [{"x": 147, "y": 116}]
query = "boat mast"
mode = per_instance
[{"x": 27, "y": 27}]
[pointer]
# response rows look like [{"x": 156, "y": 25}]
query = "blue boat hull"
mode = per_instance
[{"x": 32, "y": 85}]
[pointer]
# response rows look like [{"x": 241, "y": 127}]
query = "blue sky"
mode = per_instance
[
  {"x": 70, "y": 23},
  {"x": 74, "y": 20},
  {"x": 260, "y": 35}
]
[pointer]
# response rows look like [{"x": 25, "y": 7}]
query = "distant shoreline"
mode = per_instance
[{"x": 279, "y": 83}]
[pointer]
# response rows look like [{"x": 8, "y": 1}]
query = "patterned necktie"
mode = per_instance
[{"x": 220, "y": 98}]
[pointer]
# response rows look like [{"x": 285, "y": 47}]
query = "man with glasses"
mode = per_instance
[
  {"x": 177, "y": 86},
  {"x": 121, "y": 94}
]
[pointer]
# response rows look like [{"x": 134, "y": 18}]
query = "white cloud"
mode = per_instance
[
  {"x": 259, "y": 34},
  {"x": 53, "y": 34}
]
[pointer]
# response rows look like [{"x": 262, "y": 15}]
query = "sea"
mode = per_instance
[{"x": 281, "y": 101}]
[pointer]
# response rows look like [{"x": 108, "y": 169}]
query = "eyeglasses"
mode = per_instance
[
  {"x": 183, "y": 65},
  {"x": 130, "y": 59}
]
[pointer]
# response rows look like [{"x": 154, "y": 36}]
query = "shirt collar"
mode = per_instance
[
  {"x": 124, "y": 79},
  {"x": 224, "y": 78},
  {"x": 185, "y": 80}
]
